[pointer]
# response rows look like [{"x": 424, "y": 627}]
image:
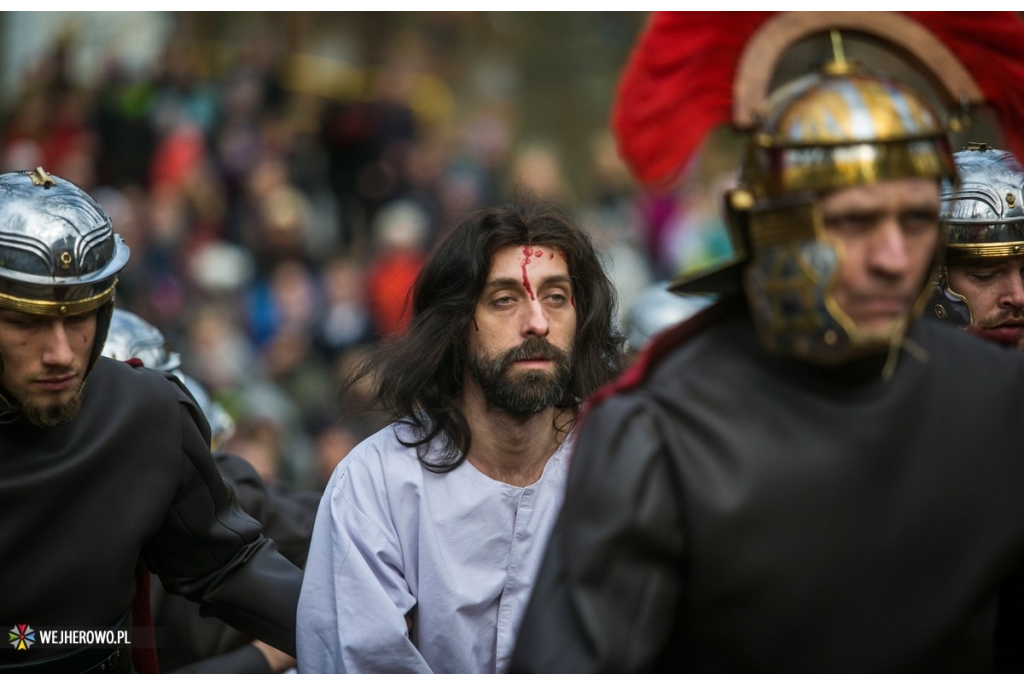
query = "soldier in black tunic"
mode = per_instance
[
  {"x": 102, "y": 464},
  {"x": 803, "y": 477}
]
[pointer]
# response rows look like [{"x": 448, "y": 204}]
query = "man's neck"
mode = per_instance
[{"x": 512, "y": 449}]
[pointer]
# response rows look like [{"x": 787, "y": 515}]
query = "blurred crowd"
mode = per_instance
[{"x": 276, "y": 232}]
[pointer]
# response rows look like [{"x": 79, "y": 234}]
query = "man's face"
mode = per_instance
[
  {"x": 994, "y": 290},
  {"x": 44, "y": 362},
  {"x": 523, "y": 329},
  {"x": 889, "y": 232}
]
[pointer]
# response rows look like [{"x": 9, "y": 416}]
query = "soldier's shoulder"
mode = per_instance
[{"x": 129, "y": 382}]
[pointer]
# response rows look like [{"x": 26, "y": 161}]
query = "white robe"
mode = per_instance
[{"x": 461, "y": 548}]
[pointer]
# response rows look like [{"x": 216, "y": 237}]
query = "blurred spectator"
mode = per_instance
[
  {"x": 346, "y": 318},
  {"x": 216, "y": 349},
  {"x": 288, "y": 299},
  {"x": 125, "y": 134},
  {"x": 259, "y": 443},
  {"x": 538, "y": 167},
  {"x": 401, "y": 231},
  {"x": 275, "y": 217},
  {"x": 464, "y": 186},
  {"x": 270, "y": 433},
  {"x": 332, "y": 444}
]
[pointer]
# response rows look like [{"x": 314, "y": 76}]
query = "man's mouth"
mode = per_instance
[
  {"x": 881, "y": 306},
  {"x": 1005, "y": 333},
  {"x": 57, "y": 383},
  {"x": 536, "y": 361}
]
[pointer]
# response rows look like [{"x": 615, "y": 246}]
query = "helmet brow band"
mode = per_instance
[
  {"x": 988, "y": 250},
  {"x": 66, "y": 308}
]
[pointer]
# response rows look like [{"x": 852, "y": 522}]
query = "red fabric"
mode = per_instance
[
  {"x": 991, "y": 46},
  {"x": 678, "y": 83},
  {"x": 677, "y": 86},
  {"x": 178, "y": 158},
  {"x": 144, "y": 657}
]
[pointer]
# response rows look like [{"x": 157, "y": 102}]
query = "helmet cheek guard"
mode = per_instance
[{"x": 948, "y": 305}]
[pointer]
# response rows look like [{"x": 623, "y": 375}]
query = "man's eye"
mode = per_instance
[
  {"x": 503, "y": 301},
  {"x": 982, "y": 276},
  {"x": 849, "y": 223},
  {"x": 916, "y": 223},
  {"x": 558, "y": 298}
]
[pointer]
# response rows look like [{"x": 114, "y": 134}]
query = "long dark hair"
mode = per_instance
[{"x": 419, "y": 375}]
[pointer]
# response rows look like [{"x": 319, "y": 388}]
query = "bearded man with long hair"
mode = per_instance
[{"x": 430, "y": 532}]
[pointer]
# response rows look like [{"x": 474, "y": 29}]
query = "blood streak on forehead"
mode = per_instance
[{"x": 528, "y": 252}]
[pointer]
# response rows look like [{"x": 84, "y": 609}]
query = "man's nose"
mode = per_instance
[
  {"x": 57, "y": 350},
  {"x": 536, "y": 321},
  {"x": 1012, "y": 295},
  {"x": 888, "y": 253}
]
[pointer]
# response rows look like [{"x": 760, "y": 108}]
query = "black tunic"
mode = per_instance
[
  {"x": 130, "y": 477},
  {"x": 736, "y": 512}
]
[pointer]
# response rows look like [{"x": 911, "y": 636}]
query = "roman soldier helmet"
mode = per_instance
[
  {"x": 982, "y": 217},
  {"x": 836, "y": 127},
  {"x": 131, "y": 337},
  {"x": 59, "y": 255}
]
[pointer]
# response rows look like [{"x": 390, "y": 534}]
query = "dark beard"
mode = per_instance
[
  {"x": 49, "y": 415},
  {"x": 526, "y": 393}
]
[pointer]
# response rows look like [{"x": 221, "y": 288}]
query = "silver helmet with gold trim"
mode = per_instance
[
  {"x": 982, "y": 218},
  {"x": 59, "y": 255}
]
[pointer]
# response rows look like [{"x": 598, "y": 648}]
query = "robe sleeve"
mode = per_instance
[
  {"x": 610, "y": 586},
  {"x": 355, "y": 597}
]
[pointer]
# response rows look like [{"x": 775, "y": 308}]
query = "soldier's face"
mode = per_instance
[
  {"x": 994, "y": 290},
  {"x": 889, "y": 232},
  {"x": 45, "y": 359},
  {"x": 523, "y": 329}
]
